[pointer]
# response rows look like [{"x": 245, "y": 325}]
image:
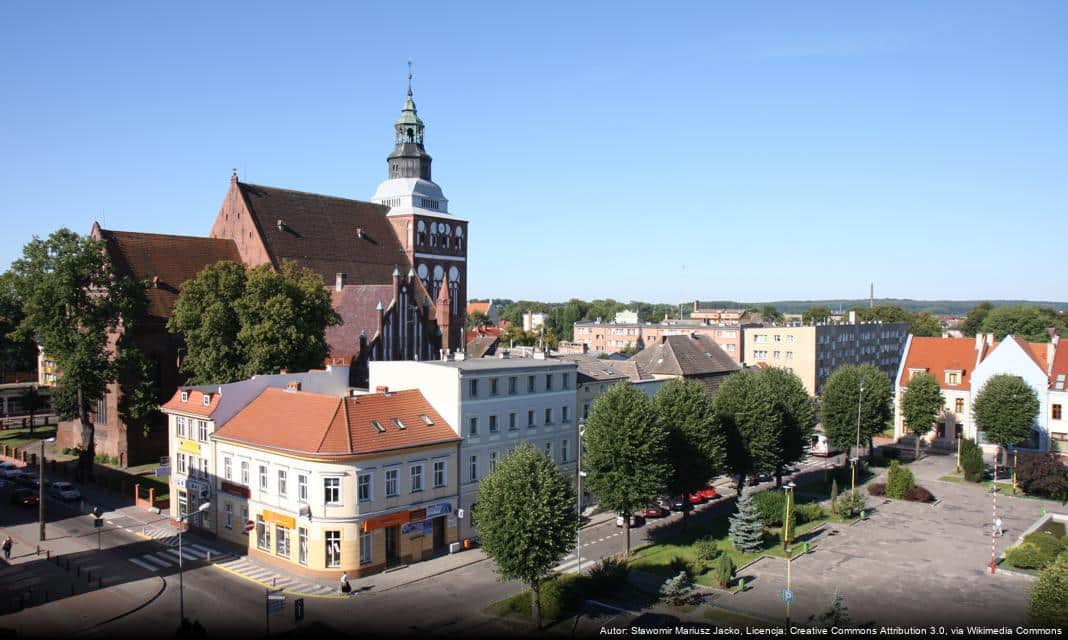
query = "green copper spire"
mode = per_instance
[{"x": 409, "y": 159}]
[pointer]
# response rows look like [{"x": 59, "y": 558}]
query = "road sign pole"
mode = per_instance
[{"x": 267, "y": 609}]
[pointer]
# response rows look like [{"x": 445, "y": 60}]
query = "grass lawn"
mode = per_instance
[
  {"x": 953, "y": 478},
  {"x": 21, "y": 437}
]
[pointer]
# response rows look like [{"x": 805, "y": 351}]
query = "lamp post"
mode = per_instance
[
  {"x": 40, "y": 487},
  {"x": 181, "y": 581},
  {"x": 581, "y": 474},
  {"x": 856, "y": 455},
  {"x": 789, "y": 489}
]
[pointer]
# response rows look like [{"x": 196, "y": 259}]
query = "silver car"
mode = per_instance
[{"x": 64, "y": 491}]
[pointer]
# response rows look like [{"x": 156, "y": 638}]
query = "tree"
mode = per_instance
[
  {"x": 971, "y": 460},
  {"x": 477, "y": 319},
  {"x": 973, "y": 321},
  {"x": 139, "y": 405},
  {"x": 31, "y": 401},
  {"x": 239, "y": 322},
  {"x": 837, "y": 616},
  {"x": 1026, "y": 321},
  {"x": 797, "y": 417},
  {"x": 527, "y": 536},
  {"x": 73, "y": 302},
  {"x": 18, "y": 353},
  {"x": 815, "y": 314},
  {"x": 770, "y": 314},
  {"x": 920, "y": 404},
  {"x": 1046, "y": 606},
  {"x": 1005, "y": 409},
  {"x": 1043, "y": 475},
  {"x": 696, "y": 446},
  {"x": 924, "y": 324},
  {"x": 625, "y": 452},
  {"x": 746, "y": 530},
  {"x": 748, "y": 413},
  {"x": 839, "y": 404}
]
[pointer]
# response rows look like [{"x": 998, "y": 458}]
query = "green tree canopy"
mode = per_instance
[
  {"x": 527, "y": 519},
  {"x": 1049, "y": 595},
  {"x": 797, "y": 415},
  {"x": 920, "y": 404},
  {"x": 696, "y": 445},
  {"x": 815, "y": 314},
  {"x": 924, "y": 324},
  {"x": 771, "y": 314},
  {"x": 749, "y": 414},
  {"x": 1005, "y": 409},
  {"x": 839, "y": 404},
  {"x": 477, "y": 319},
  {"x": 1025, "y": 321},
  {"x": 973, "y": 321},
  {"x": 626, "y": 449},
  {"x": 73, "y": 301},
  {"x": 239, "y": 322},
  {"x": 18, "y": 353}
]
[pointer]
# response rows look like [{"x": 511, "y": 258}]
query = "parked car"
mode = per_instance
[
  {"x": 8, "y": 470},
  {"x": 678, "y": 504},
  {"x": 635, "y": 520},
  {"x": 1004, "y": 473},
  {"x": 64, "y": 491},
  {"x": 790, "y": 469},
  {"x": 655, "y": 511},
  {"x": 26, "y": 479},
  {"x": 760, "y": 476},
  {"x": 708, "y": 492},
  {"x": 24, "y": 497},
  {"x": 695, "y": 498}
]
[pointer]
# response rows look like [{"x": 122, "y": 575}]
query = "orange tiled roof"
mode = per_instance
[
  {"x": 936, "y": 355},
  {"x": 195, "y": 403},
  {"x": 329, "y": 426},
  {"x": 1060, "y": 364},
  {"x": 481, "y": 307},
  {"x": 1037, "y": 351}
]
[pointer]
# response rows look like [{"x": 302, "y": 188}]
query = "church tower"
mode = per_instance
[{"x": 435, "y": 240}]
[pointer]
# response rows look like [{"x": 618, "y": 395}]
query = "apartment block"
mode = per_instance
[{"x": 614, "y": 337}]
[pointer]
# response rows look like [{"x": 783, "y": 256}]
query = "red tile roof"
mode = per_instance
[
  {"x": 936, "y": 355},
  {"x": 481, "y": 307},
  {"x": 195, "y": 403},
  {"x": 357, "y": 306},
  {"x": 1060, "y": 365},
  {"x": 326, "y": 426},
  {"x": 1037, "y": 351}
]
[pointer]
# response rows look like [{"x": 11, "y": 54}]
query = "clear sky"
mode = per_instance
[{"x": 655, "y": 151}]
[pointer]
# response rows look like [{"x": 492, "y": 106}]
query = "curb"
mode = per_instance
[{"x": 163, "y": 587}]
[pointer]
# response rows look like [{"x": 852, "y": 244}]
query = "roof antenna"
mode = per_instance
[{"x": 409, "y": 78}]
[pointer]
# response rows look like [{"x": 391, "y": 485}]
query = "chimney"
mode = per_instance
[
  {"x": 339, "y": 281},
  {"x": 852, "y": 317},
  {"x": 989, "y": 339},
  {"x": 978, "y": 342},
  {"x": 460, "y": 355},
  {"x": 293, "y": 386},
  {"x": 381, "y": 389},
  {"x": 359, "y": 233},
  {"x": 281, "y": 372}
]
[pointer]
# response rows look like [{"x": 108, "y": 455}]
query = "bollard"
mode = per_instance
[
  {"x": 863, "y": 515},
  {"x": 209, "y": 556},
  {"x": 48, "y": 554},
  {"x": 38, "y": 549},
  {"x": 741, "y": 584},
  {"x": 805, "y": 547},
  {"x": 99, "y": 583}
]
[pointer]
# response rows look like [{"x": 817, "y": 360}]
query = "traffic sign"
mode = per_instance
[
  {"x": 162, "y": 472},
  {"x": 787, "y": 596},
  {"x": 276, "y": 601},
  {"x": 249, "y": 526},
  {"x": 298, "y": 609}
]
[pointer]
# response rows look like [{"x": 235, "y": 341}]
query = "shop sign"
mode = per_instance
[
  {"x": 381, "y": 522},
  {"x": 196, "y": 485},
  {"x": 236, "y": 489},
  {"x": 189, "y": 447},
  {"x": 289, "y": 522},
  {"x": 420, "y": 528},
  {"x": 438, "y": 509}
]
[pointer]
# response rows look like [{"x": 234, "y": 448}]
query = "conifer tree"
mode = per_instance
[
  {"x": 836, "y": 616},
  {"x": 746, "y": 530}
]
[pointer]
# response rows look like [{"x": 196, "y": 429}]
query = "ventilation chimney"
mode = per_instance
[
  {"x": 281, "y": 372},
  {"x": 381, "y": 389},
  {"x": 281, "y": 224},
  {"x": 293, "y": 386},
  {"x": 460, "y": 355},
  {"x": 852, "y": 317},
  {"x": 155, "y": 282},
  {"x": 339, "y": 281},
  {"x": 359, "y": 233}
]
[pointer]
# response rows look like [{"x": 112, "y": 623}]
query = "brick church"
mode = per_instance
[{"x": 396, "y": 267}]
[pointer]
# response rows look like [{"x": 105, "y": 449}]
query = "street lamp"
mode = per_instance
[
  {"x": 181, "y": 582},
  {"x": 40, "y": 488},
  {"x": 856, "y": 455},
  {"x": 788, "y": 594},
  {"x": 581, "y": 475}
]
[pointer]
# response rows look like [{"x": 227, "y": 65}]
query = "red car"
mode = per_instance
[
  {"x": 708, "y": 492},
  {"x": 695, "y": 498},
  {"x": 655, "y": 511}
]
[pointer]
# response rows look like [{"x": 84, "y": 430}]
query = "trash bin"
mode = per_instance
[{"x": 467, "y": 543}]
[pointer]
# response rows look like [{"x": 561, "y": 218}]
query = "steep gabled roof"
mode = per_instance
[
  {"x": 482, "y": 346},
  {"x": 171, "y": 259},
  {"x": 690, "y": 355},
  {"x": 357, "y": 305},
  {"x": 936, "y": 355},
  {"x": 319, "y": 232},
  {"x": 327, "y": 426},
  {"x": 1059, "y": 368}
]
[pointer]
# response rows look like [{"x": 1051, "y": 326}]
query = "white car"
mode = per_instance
[
  {"x": 64, "y": 491},
  {"x": 8, "y": 470}
]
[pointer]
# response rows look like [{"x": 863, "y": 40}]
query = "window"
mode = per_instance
[
  {"x": 1056, "y": 412},
  {"x": 244, "y": 472},
  {"x": 776, "y": 354},
  {"x": 366, "y": 548},
  {"x": 185, "y": 396},
  {"x": 282, "y": 483},
  {"x": 207, "y": 399},
  {"x": 263, "y": 477},
  {"x": 281, "y": 541},
  {"x": 415, "y": 478},
  {"x": 227, "y": 468},
  {"x": 204, "y": 468},
  {"x": 473, "y": 388},
  {"x": 778, "y": 338},
  {"x": 332, "y": 490},
  {"x": 952, "y": 377},
  {"x": 789, "y": 354},
  {"x": 760, "y": 354},
  {"x": 493, "y": 386},
  {"x": 565, "y": 378},
  {"x": 426, "y": 419},
  {"x": 228, "y": 514},
  {"x": 549, "y": 450},
  {"x": 493, "y": 460},
  {"x": 548, "y": 382},
  {"x": 179, "y": 426},
  {"x": 391, "y": 483},
  {"x": 472, "y": 468},
  {"x": 512, "y": 384},
  {"x": 302, "y": 487},
  {"x": 472, "y": 429},
  {"x": 789, "y": 339},
  {"x": 563, "y": 413},
  {"x": 563, "y": 451},
  {"x": 181, "y": 463},
  {"x": 530, "y": 384},
  {"x": 586, "y": 410},
  {"x": 958, "y": 406},
  {"x": 549, "y": 416},
  {"x": 302, "y": 545},
  {"x": 530, "y": 418},
  {"x": 263, "y": 534},
  {"x": 333, "y": 548},
  {"x": 202, "y": 430},
  {"x": 760, "y": 338},
  {"x": 377, "y": 426},
  {"x": 493, "y": 424},
  {"x": 244, "y": 518},
  {"x": 440, "y": 477},
  {"x": 397, "y": 423},
  {"x": 511, "y": 422},
  {"x": 363, "y": 487}
]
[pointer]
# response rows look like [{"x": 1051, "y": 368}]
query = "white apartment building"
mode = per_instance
[{"x": 494, "y": 404}]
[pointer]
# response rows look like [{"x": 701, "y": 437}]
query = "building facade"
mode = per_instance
[
  {"x": 495, "y": 404},
  {"x": 615, "y": 337},
  {"x": 814, "y": 352}
]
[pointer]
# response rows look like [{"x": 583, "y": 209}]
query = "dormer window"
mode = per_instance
[
  {"x": 184, "y": 397},
  {"x": 397, "y": 423},
  {"x": 426, "y": 419},
  {"x": 953, "y": 376},
  {"x": 915, "y": 372},
  {"x": 207, "y": 399}
]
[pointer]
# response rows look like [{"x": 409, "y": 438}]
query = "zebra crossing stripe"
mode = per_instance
[
  {"x": 154, "y": 560},
  {"x": 164, "y": 557},
  {"x": 185, "y": 554},
  {"x": 206, "y": 550},
  {"x": 143, "y": 565}
]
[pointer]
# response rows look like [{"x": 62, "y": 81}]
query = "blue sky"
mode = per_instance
[{"x": 653, "y": 151}]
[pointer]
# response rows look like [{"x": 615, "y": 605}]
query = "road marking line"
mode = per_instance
[
  {"x": 161, "y": 558},
  {"x": 185, "y": 554},
  {"x": 143, "y": 565}
]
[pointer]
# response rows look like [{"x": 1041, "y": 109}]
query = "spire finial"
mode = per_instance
[{"x": 409, "y": 78}]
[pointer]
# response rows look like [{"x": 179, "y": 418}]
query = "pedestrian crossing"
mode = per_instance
[
  {"x": 267, "y": 577},
  {"x": 168, "y": 558}
]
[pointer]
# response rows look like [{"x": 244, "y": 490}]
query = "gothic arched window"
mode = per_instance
[
  {"x": 459, "y": 238},
  {"x": 420, "y": 234}
]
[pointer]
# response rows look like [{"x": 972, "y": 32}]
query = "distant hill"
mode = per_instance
[{"x": 936, "y": 307}]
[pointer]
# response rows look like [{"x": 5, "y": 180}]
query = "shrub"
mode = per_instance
[
  {"x": 1048, "y": 544},
  {"x": 66, "y": 451},
  {"x": 679, "y": 564},
  {"x": 877, "y": 488},
  {"x": 724, "y": 570},
  {"x": 560, "y": 598},
  {"x": 1048, "y": 595},
  {"x": 919, "y": 494},
  {"x": 851, "y": 504},
  {"x": 971, "y": 460},
  {"x": 677, "y": 591},
  {"x": 609, "y": 574},
  {"x": 706, "y": 551},
  {"x": 898, "y": 480},
  {"x": 746, "y": 530},
  {"x": 771, "y": 505},
  {"x": 1027, "y": 556},
  {"x": 1043, "y": 475},
  {"x": 810, "y": 512}
]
